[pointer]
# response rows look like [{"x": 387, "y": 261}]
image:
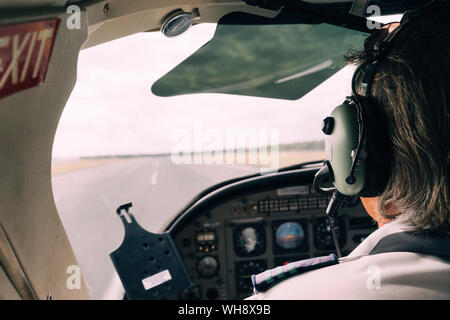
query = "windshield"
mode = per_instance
[{"x": 117, "y": 143}]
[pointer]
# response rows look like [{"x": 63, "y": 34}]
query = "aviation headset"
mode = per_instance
[{"x": 357, "y": 143}]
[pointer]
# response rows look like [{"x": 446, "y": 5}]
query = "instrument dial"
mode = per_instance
[
  {"x": 323, "y": 239},
  {"x": 244, "y": 272},
  {"x": 207, "y": 266},
  {"x": 249, "y": 240}
]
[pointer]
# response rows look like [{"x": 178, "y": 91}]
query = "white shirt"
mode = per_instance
[{"x": 393, "y": 275}]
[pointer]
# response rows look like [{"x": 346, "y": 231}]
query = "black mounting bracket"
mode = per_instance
[{"x": 148, "y": 264}]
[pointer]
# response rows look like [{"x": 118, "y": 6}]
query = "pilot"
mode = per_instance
[{"x": 401, "y": 98}]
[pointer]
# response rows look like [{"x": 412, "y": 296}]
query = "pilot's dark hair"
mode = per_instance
[{"x": 412, "y": 84}]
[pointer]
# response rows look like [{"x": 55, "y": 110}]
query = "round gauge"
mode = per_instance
[
  {"x": 176, "y": 24},
  {"x": 290, "y": 235},
  {"x": 249, "y": 240},
  {"x": 323, "y": 239},
  {"x": 207, "y": 267},
  {"x": 244, "y": 272}
]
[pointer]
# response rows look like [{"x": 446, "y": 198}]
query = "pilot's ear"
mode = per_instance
[{"x": 370, "y": 205}]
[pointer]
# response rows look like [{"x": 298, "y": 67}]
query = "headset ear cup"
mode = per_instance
[{"x": 378, "y": 148}]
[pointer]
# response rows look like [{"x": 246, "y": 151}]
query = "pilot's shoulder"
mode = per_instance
[
  {"x": 381, "y": 276},
  {"x": 269, "y": 278}
]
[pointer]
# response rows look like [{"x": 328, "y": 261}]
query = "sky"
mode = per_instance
[{"x": 113, "y": 111}]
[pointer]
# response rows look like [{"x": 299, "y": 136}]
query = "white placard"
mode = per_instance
[{"x": 156, "y": 279}]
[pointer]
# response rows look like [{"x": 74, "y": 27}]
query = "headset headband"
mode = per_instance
[{"x": 377, "y": 46}]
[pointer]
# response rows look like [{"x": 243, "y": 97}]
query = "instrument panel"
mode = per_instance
[{"x": 223, "y": 246}]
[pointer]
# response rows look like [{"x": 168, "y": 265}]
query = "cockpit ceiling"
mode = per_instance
[
  {"x": 150, "y": 18},
  {"x": 113, "y": 19}
]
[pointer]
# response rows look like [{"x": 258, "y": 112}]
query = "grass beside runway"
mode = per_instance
[
  {"x": 286, "y": 158},
  {"x": 65, "y": 166},
  {"x": 289, "y": 158}
]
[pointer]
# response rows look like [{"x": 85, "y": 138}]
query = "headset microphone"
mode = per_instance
[{"x": 336, "y": 201}]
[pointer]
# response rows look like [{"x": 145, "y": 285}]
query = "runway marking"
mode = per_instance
[{"x": 154, "y": 178}]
